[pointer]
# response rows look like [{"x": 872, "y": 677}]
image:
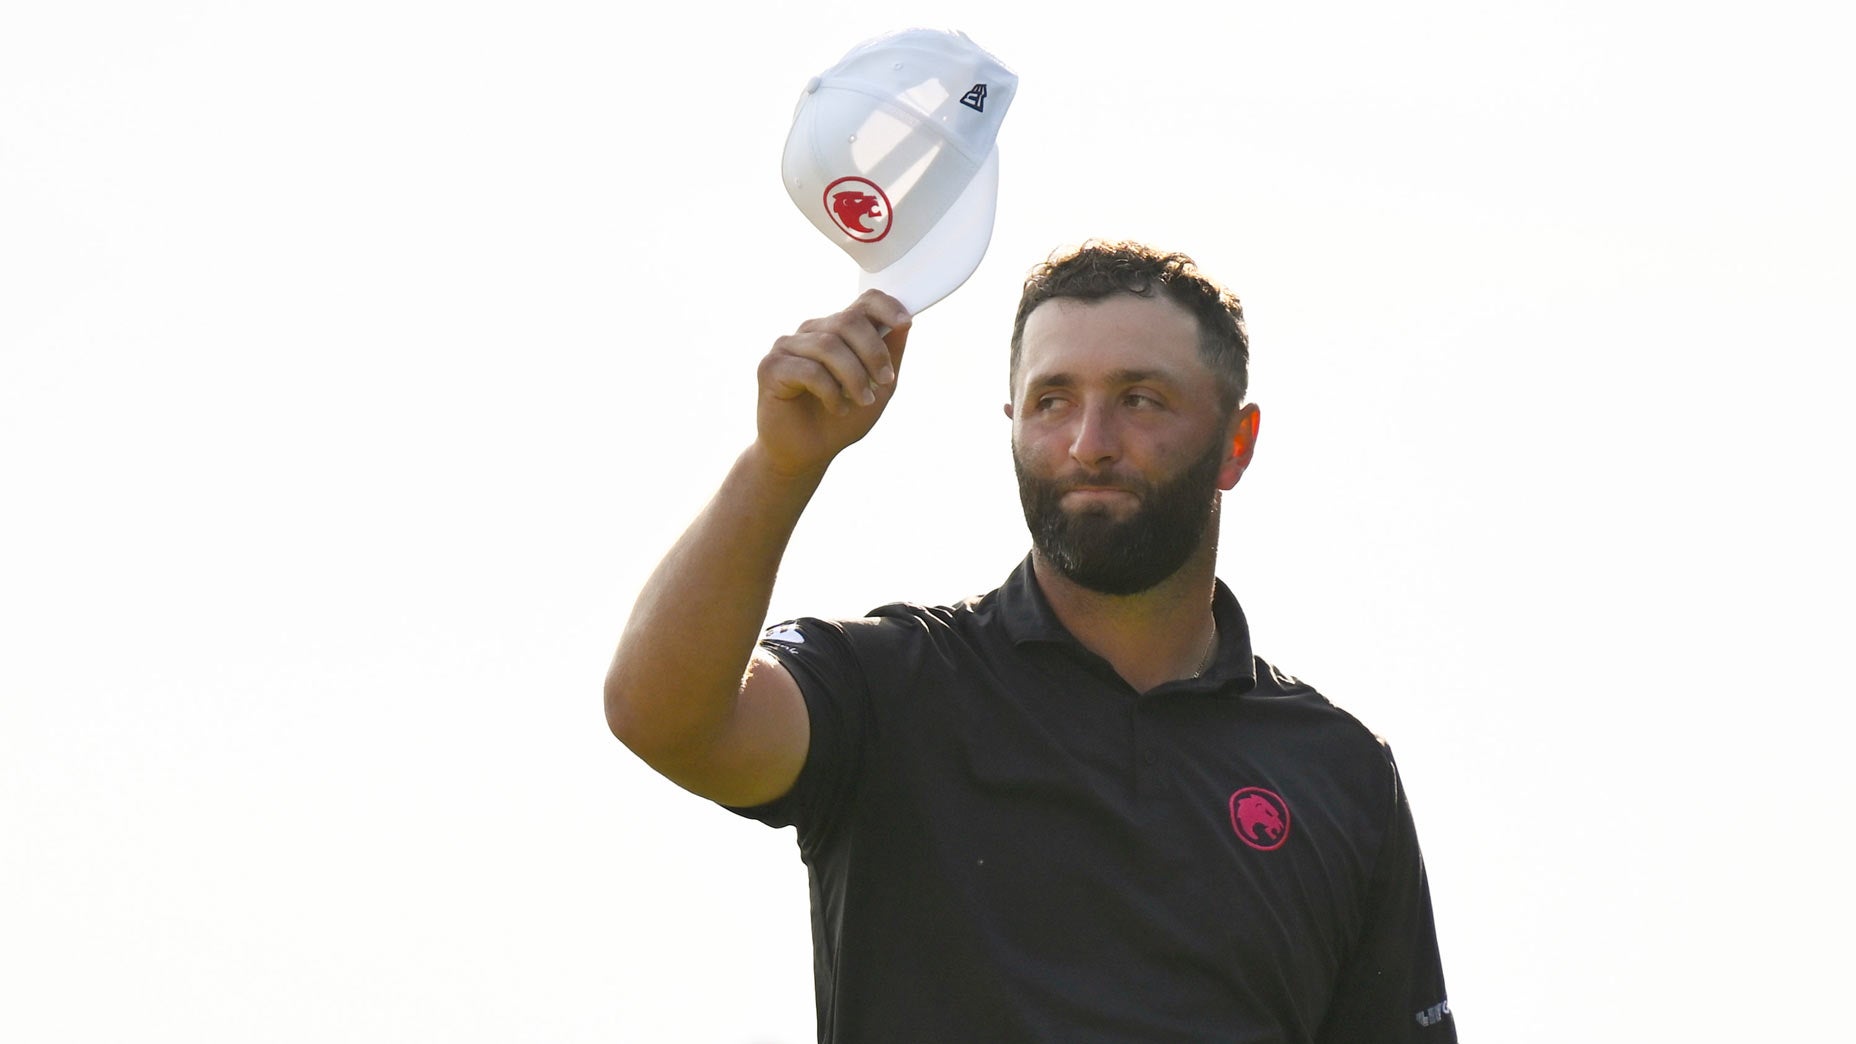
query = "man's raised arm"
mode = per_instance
[{"x": 687, "y": 691}]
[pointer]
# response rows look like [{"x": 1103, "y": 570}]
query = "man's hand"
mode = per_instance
[{"x": 824, "y": 387}]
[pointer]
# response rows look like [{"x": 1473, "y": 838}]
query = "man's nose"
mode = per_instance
[{"x": 1096, "y": 440}]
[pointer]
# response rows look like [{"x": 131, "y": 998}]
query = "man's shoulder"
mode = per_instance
[
  {"x": 1285, "y": 693},
  {"x": 1012, "y": 607},
  {"x": 892, "y": 625},
  {"x": 898, "y": 632},
  {"x": 978, "y": 611}
]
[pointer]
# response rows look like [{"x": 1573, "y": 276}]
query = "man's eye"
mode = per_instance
[{"x": 1140, "y": 401}]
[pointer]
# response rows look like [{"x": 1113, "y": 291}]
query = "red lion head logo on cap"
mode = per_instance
[
  {"x": 859, "y": 208},
  {"x": 1260, "y": 818}
]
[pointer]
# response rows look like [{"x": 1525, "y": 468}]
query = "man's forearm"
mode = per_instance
[{"x": 679, "y": 665}]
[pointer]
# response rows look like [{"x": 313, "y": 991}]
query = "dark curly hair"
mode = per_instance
[{"x": 1099, "y": 268}]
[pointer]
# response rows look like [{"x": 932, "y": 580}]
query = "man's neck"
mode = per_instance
[{"x": 1159, "y": 635}]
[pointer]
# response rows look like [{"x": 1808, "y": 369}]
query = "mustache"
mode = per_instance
[
  {"x": 1110, "y": 480},
  {"x": 1099, "y": 480}
]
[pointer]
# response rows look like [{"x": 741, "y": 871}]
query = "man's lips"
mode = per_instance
[{"x": 1097, "y": 494}]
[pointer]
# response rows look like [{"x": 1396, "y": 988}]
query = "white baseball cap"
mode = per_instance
[{"x": 893, "y": 156}]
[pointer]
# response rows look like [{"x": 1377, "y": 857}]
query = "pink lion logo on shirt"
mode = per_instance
[{"x": 1260, "y": 817}]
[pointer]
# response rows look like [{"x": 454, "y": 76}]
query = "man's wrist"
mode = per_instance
[{"x": 766, "y": 470}]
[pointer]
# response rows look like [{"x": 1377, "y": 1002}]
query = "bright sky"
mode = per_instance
[{"x": 359, "y": 360}]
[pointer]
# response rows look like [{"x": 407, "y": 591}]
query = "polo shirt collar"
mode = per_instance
[{"x": 1028, "y": 617}]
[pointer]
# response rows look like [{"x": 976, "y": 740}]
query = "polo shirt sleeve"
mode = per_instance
[
  {"x": 820, "y": 656},
  {"x": 1391, "y": 988}
]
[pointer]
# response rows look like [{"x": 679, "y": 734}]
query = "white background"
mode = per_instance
[{"x": 358, "y": 360}]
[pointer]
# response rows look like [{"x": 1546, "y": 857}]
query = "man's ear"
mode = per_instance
[
  {"x": 1008, "y": 410},
  {"x": 1241, "y": 436}
]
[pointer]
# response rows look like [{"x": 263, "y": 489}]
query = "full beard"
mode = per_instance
[{"x": 1129, "y": 556}]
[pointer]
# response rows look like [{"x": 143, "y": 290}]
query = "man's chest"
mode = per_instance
[{"x": 1189, "y": 831}]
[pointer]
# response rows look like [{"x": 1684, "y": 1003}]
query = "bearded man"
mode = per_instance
[{"x": 1077, "y": 808}]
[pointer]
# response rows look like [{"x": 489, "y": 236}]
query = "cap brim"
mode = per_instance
[{"x": 951, "y": 250}]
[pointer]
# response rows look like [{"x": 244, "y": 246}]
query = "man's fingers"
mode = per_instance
[
  {"x": 849, "y": 377},
  {"x": 863, "y": 327},
  {"x": 866, "y": 342},
  {"x": 788, "y": 376},
  {"x": 896, "y": 340},
  {"x": 885, "y": 315},
  {"x": 854, "y": 346},
  {"x": 843, "y": 360},
  {"x": 895, "y": 321}
]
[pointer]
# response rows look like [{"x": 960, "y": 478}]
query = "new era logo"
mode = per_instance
[
  {"x": 975, "y": 99},
  {"x": 789, "y": 634}
]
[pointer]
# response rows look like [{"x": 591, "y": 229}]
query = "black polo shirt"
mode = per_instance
[{"x": 1007, "y": 842}]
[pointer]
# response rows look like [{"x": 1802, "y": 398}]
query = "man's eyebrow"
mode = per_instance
[
  {"x": 1051, "y": 380},
  {"x": 1063, "y": 379},
  {"x": 1140, "y": 377}
]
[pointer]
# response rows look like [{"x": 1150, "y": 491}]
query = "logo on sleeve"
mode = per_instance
[
  {"x": 785, "y": 634},
  {"x": 1434, "y": 1014},
  {"x": 975, "y": 99},
  {"x": 1260, "y": 817}
]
